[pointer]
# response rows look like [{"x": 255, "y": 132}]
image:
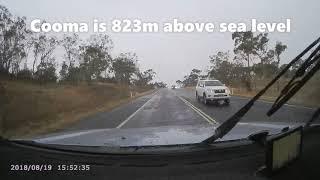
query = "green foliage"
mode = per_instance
[
  {"x": 24, "y": 74},
  {"x": 263, "y": 71},
  {"x": 83, "y": 62},
  {"x": 43, "y": 48},
  {"x": 94, "y": 62},
  {"x": 46, "y": 72},
  {"x": 90, "y": 60},
  {"x": 253, "y": 59},
  {"x": 70, "y": 44},
  {"x": 124, "y": 67},
  {"x": 95, "y": 56},
  {"x": 249, "y": 44},
  {"x": 64, "y": 71},
  {"x": 279, "y": 49},
  {"x": 74, "y": 75},
  {"x": 144, "y": 78},
  {"x": 254, "y": 49},
  {"x": 13, "y": 34},
  {"x": 224, "y": 69},
  {"x": 160, "y": 85},
  {"x": 179, "y": 83},
  {"x": 192, "y": 78}
]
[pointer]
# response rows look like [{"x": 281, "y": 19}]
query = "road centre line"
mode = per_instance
[
  {"x": 214, "y": 121},
  {"x": 133, "y": 114},
  {"x": 202, "y": 114},
  {"x": 209, "y": 119}
]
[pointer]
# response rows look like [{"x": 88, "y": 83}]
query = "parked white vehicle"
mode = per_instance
[{"x": 212, "y": 91}]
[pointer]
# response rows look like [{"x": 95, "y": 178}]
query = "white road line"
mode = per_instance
[
  {"x": 133, "y": 114},
  {"x": 69, "y": 135},
  {"x": 209, "y": 119}
]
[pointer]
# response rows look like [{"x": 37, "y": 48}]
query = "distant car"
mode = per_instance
[
  {"x": 173, "y": 87},
  {"x": 212, "y": 91}
]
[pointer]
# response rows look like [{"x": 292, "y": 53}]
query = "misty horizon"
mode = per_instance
[{"x": 174, "y": 55}]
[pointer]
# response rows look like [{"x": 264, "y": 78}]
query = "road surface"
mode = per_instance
[{"x": 167, "y": 107}]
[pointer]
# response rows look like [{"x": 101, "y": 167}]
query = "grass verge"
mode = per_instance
[{"x": 32, "y": 109}]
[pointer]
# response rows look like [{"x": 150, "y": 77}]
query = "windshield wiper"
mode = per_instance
[
  {"x": 227, "y": 125},
  {"x": 298, "y": 80},
  {"x": 315, "y": 116}
]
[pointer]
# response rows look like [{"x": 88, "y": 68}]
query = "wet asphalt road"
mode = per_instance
[{"x": 167, "y": 107}]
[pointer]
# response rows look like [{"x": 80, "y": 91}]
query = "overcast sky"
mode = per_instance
[{"x": 174, "y": 55}]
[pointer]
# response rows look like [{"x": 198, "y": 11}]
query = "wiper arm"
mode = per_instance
[
  {"x": 294, "y": 85},
  {"x": 227, "y": 125}
]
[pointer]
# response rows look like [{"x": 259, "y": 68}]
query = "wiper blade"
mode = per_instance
[
  {"x": 315, "y": 116},
  {"x": 227, "y": 125},
  {"x": 298, "y": 80}
]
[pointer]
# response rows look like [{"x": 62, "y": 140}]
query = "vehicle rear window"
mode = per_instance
[{"x": 213, "y": 83}]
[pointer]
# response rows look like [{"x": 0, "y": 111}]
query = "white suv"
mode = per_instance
[{"x": 212, "y": 90}]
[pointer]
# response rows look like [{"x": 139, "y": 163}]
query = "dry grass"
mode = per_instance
[
  {"x": 307, "y": 96},
  {"x": 35, "y": 109}
]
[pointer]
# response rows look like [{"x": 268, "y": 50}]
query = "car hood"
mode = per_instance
[{"x": 151, "y": 136}]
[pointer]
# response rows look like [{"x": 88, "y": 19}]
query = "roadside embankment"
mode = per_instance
[{"x": 30, "y": 109}]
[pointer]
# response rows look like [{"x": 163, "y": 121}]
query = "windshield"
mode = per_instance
[
  {"x": 133, "y": 73},
  {"x": 213, "y": 83}
]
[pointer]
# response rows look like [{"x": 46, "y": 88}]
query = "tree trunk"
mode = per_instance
[
  {"x": 278, "y": 82},
  {"x": 248, "y": 81},
  {"x": 34, "y": 63}
]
